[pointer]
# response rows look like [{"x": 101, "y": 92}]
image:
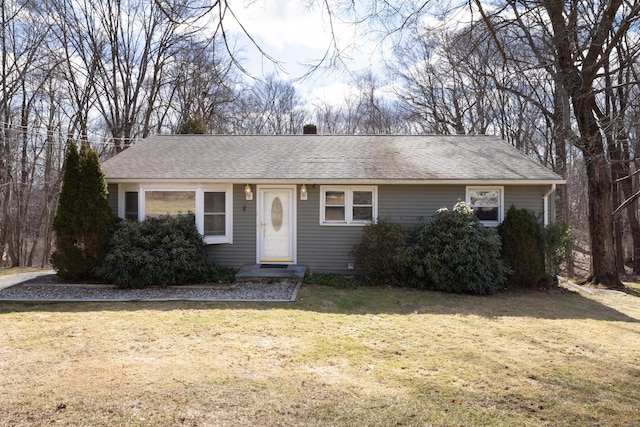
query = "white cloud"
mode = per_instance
[
  {"x": 294, "y": 34},
  {"x": 278, "y": 24},
  {"x": 332, "y": 93},
  {"x": 297, "y": 36}
]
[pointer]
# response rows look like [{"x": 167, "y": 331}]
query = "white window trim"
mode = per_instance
[
  {"x": 348, "y": 204},
  {"x": 199, "y": 207},
  {"x": 500, "y": 190},
  {"x": 122, "y": 189}
]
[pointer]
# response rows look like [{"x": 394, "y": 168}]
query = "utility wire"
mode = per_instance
[{"x": 60, "y": 138}]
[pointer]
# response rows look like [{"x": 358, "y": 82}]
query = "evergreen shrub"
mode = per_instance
[
  {"x": 523, "y": 248},
  {"x": 161, "y": 251},
  {"x": 193, "y": 126},
  {"x": 381, "y": 255},
  {"x": 556, "y": 239},
  {"x": 454, "y": 252},
  {"x": 84, "y": 219}
]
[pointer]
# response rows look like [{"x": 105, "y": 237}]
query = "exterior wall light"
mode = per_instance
[
  {"x": 248, "y": 194},
  {"x": 303, "y": 192}
]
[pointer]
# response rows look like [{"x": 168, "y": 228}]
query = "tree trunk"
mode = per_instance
[
  {"x": 618, "y": 237},
  {"x": 560, "y": 167},
  {"x": 635, "y": 235},
  {"x": 603, "y": 253},
  {"x": 617, "y": 172},
  {"x": 578, "y": 82},
  {"x": 604, "y": 270}
]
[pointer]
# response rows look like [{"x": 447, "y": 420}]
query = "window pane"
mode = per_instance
[
  {"x": 214, "y": 202},
  {"x": 131, "y": 205},
  {"x": 214, "y": 225},
  {"x": 485, "y": 198},
  {"x": 363, "y": 198},
  {"x": 334, "y": 213},
  {"x": 485, "y": 204},
  {"x": 335, "y": 198},
  {"x": 169, "y": 202},
  {"x": 486, "y": 214},
  {"x": 362, "y": 213}
]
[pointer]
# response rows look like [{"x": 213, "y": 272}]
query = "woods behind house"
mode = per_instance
[{"x": 559, "y": 82}]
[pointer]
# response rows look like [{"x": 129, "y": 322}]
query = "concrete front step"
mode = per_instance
[{"x": 270, "y": 272}]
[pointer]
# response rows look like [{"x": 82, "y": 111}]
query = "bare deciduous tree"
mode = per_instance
[
  {"x": 203, "y": 84},
  {"x": 274, "y": 107}
]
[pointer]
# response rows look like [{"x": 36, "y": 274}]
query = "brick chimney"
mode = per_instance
[{"x": 309, "y": 130}]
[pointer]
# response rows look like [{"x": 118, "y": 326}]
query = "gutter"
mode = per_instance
[
  {"x": 333, "y": 181},
  {"x": 546, "y": 212}
]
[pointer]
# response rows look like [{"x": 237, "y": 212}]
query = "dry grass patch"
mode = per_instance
[{"x": 335, "y": 357}]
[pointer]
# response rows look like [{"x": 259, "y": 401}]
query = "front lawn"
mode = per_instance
[{"x": 341, "y": 357}]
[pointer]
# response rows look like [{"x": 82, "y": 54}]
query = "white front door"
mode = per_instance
[{"x": 276, "y": 224}]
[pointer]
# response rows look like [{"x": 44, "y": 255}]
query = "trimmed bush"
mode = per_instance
[
  {"x": 522, "y": 248},
  {"x": 160, "y": 251},
  {"x": 381, "y": 255},
  {"x": 453, "y": 252}
]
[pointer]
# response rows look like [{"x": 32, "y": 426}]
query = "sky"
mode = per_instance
[{"x": 295, "y": 36}]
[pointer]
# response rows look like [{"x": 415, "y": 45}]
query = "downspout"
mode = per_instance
[{"x": 546, "y": 213}]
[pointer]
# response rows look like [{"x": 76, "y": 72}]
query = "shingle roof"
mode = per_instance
[{"x": 327, "y": 158}]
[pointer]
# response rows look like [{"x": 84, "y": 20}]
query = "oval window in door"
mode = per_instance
[{"x": 276, "y": 214}]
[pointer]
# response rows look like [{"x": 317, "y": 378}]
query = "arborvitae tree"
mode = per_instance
[
  {"x": 67, "y": 257},
  {"x": 83, "y": 220},
  {"x": 97, "y": 218}
]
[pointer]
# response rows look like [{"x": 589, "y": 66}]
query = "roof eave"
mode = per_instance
[{"x": 340, "y": 181}]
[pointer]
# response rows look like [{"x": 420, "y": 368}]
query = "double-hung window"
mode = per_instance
[
  {"x": 348, "y": 205},
  {"x": 210, "y": 206},
  {"x": 215, "y": 213},
  {"x": 131, "y": 205},
  {"x": 487, "y": 204}
]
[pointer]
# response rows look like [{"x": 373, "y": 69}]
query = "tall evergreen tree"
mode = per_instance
[
  {"x": 83, "y": 219},
  {"x": 67, "y": 257},
  {"x": 96, "y": 217}
]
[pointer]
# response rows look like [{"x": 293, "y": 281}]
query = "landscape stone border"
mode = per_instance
[{"x": 43, "y": 287}]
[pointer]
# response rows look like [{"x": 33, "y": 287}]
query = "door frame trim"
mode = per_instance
[{"x": 293, "y": 238}]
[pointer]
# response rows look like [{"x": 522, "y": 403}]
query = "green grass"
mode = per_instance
[
  {"x": 335, "y": 357},
  {"x": 335, "y": 280}
]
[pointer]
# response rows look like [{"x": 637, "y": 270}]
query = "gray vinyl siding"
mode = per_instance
[
  {"x": 112, "y": 189},
  {"x": 411, "y": 204},
  {"x": 328, "y": 248},
  {"x": 324, "y": 248},
  {"x": 526, "y": 197},
  {"x": 243, "y": 249}
]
